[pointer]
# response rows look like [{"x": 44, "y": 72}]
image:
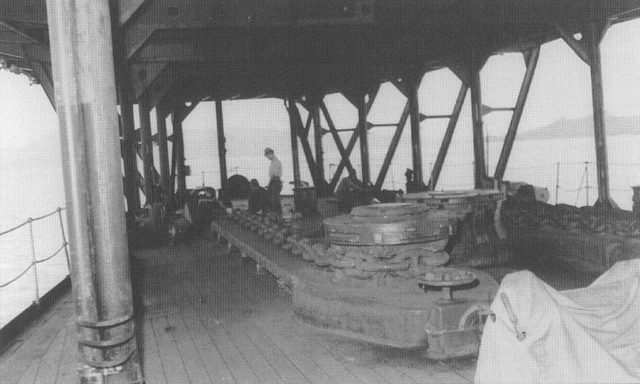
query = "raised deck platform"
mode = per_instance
[{"x": 204, "y": 316}]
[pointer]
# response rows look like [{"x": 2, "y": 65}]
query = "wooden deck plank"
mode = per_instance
[
  {"x": 67, "y": 373},
  {"x": 33, "y": 348},
  {"x": 51, "y": 359},
  {"x": 193, "y": 363},
  {"x": 174, "y": 369},
  {"x": 151, "y": 362}
]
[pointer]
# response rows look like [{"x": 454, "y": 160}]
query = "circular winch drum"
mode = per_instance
[
  {"x": 388, "y": 224},
  {"x": 457, "y": 202}
]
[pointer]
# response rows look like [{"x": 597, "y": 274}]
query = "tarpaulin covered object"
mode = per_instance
[{"x": 587, "y": 335}]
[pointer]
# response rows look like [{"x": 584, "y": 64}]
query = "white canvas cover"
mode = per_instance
[{"x": 588, "y": 335}]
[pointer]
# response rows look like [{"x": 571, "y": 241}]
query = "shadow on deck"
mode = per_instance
[{"x": 205, "y": 316}]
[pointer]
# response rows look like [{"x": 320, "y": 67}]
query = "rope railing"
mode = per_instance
[{"x": 34, "y": 260}]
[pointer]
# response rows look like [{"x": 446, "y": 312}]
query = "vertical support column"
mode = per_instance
[
  {"x": 81, "y": 52},
  {"x": 317, "y": 137},
  {"x": 163, "y": 151},
  {"x": 602, "y": 164},
  {"x": 146, "y": 149},
  {"x": 363, "y": 134},
  {"x": 129, "y": 156},
  {"x": 480, "y": 171},
  {"x": 178, "y": 141},
  {"x": 531, "y": 63},
  {"x": 294, "y": 146},
  {"x": 222, "y": 141},
  {"x": 416, "y": 143}
]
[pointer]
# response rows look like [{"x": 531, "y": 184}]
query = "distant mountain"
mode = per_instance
[{"x": 581, "y": 127}]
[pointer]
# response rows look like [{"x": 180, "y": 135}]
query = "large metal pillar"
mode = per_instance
[
  {"x": 81, "y": 52},
  {"x": 178, "y": 142},
  {"x": 448, "y": 137},
  {"x": 364, "y": 141},
  {"x": 596, "y": 32},
  {"x": 222, "y": 148},
  {"x": 531, "y": 61},
  {"x": 163, "y": 152},
  {"x": 317, "y": 135},
  {"x": 129, "y": 156},
  {"x": 295, "y": 154},
  {"x": 416, "y": 143},
  {"x": 480, "y": 170},
  {"x": 146, "y": 149}
]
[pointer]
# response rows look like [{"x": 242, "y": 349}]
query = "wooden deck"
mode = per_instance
[{"x": 205, "y": 316}]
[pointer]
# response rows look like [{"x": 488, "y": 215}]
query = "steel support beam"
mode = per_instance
[
  {"x": 344, "y": 160},
  {"x": 146, "y": 149},
  {"x": 596, "y": 33},
  {"x": 336, "y": 137},
  {"x": 317, "y": 136},
  {"x": 416, "y": 143},
  {"x": 222, "y": 147},
  {"x": 364, "y": 140},
  {"x": 531, "y": 62},
  {"x": 448, "y": 137},
  {"x": 163, "y": 153},
  {"x": 177, "y": 117},
  {"x": 93, "y": 187},
  {"x": 480, "y": 169},
  {"x": 129, "y": 154},
  {"x": 295, "y": 154},
  {"x": 393, "y": 146}
]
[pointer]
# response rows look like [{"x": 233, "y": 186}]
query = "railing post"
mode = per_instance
[
  {"x": 64, "y": 240},
  {"x": 34, "y": 262}
]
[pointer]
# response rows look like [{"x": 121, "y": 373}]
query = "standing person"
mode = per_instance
[{"x": 275, "y": 180}]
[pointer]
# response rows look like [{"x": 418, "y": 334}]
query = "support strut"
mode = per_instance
[
  {"x": 129, "y": 156},
  {"x": 416, "y": 143},
  {"x": 480, "y": 170},
  {"x": 178, "y": 141},
  {"x": 163, "y": 152},
  {"x": 146, "y": 149},
  {"x": 93, "y": 187},
  {"x": 295, "y": 154},
  {"x": 317, "y": 135},
  {"x": 222, "y": 141},
  {"x": 336, "y": 138},
  {"x": 392, "y": 147},
  {"x": 448, "y": 137},
  {"x": 364, "y": 140},
  {"x": 531, "y": 58}
]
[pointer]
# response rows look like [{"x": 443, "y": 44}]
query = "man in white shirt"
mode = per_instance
[{"x": 275, "y": 180}]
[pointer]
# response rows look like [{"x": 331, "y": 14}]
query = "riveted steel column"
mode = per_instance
[
  {"x": 146, "y": 149},
  {"x": 129, "y": 156},
  {"x": 364, "y": 142},
  {"x": 295, "y": 153},
  {"x": 416, "y": 143},
  {"x": 317, "y": 136},
  {"x": 602, "y": 164},
  {"x": 178, "y": 141},
  {"x": 82, "y": 60},
  {"x": 222, "y": 148},
  {"x": 480, "y": 171},
  {"x": 163, "y": 152},
  {"x": 532, "y": 61}
]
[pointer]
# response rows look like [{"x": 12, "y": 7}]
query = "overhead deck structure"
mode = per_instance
[{"x": 169, "y": 55}]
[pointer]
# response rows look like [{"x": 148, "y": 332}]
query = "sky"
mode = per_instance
[{"x": 560, "y": 89}]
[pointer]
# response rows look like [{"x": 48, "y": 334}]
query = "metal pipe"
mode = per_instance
[
  {"x": 602, "y": 164},
  {"x": 448, "y": 136},
  {"x": 480, "y": 171},
  {"x": 81, "y": 52},
  {"x": 222, "y": 141},
  {"x": 392, "y": 147},
  {"x": 146, "y": 149},
  {"x": 416, "y": 144},
  {"x": 295, "y": 153},
  {"x": 163, "y": 152},
  {"x": 532, "y": 62}
]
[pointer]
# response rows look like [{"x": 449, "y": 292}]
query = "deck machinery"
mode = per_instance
[
  {"x": 380, "y": 276},
  {"x": 171, "y": 55}
]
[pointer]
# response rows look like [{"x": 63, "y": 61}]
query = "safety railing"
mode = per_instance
[{"x": 33, "y": 265}]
